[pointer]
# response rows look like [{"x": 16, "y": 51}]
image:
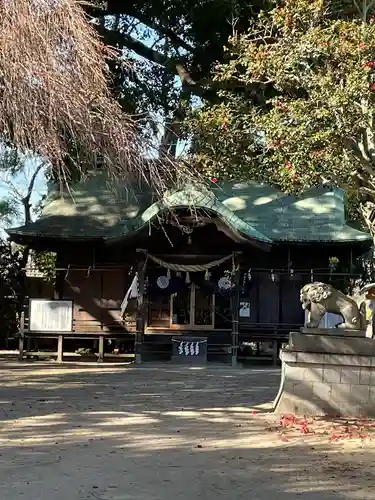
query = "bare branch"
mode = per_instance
[
  {"x": 33, "y": 179},
  {"x": 13, "y": 191}
]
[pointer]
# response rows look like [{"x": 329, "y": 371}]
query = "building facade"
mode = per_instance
[{"x": 224, "y": 262}]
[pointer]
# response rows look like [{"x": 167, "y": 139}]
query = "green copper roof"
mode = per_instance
[
  {"x": 97, "y": 208},
  {"x": 205, "y": 199}
]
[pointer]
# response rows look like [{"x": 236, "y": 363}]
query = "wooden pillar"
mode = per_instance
[
  {"x": 60, "y": 349},
  {"x": 235, "y": 306},
  {"x": 21, "y": 337},
  {"x": 60, "y": 278},
  {"x": 59, "y": 285},
  {"x": 140, "y": 319},
  {"x": 101, "y": 348}
]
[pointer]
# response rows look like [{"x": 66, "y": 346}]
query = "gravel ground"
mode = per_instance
[{"x": 162, "y": 432}]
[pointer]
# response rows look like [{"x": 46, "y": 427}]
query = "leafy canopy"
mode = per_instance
[
  {"x": 171, "y": 47},
  {"x": 298, "y": 93}
]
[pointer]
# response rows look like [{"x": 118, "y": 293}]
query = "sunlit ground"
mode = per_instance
[{"x": 162, "y": 432}]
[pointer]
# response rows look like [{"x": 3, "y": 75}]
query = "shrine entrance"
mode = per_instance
[
  {"x": 188, "y": 309},
  {"x": 193, "y": 309},
  {"x": 189, "y": 292}
]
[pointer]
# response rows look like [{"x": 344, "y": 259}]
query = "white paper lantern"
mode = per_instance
[
  {"x": 162, "y": 282},
  {"x": 224, "y": 283}
]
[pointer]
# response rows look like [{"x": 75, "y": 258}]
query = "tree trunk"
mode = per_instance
[
  {"x": 368, "y": 212},
  {"x": 27, "y": 208}
]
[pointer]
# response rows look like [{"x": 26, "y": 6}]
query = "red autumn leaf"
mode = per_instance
[
  {"x": 287, "y": 420},
  {"x": 334, "y": 437}
]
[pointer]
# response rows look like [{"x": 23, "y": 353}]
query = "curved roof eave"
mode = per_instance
[
  {"x": 206, "y": 200},
  {"x": 232, "y": 232}
]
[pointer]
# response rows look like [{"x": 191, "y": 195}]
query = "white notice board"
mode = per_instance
[
  {"x": 244, "y": 309},
  {"x": 50, "y": 315}
]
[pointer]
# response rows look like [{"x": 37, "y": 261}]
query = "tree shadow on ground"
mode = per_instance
[{"x": 153, "y": 434}]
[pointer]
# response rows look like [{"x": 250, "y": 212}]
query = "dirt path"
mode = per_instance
[{"x": 155, "y": 433}]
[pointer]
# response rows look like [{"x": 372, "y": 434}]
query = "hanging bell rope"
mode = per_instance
[{"x": 187, "y": 268}]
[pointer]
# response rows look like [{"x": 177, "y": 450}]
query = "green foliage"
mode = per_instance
[
  {"x": 298, "y": 93},
  {"x": 171, "y": 47},
  {"x": 8, "y": 211},
  {"x": 12, "y": 291},
  {"x": 46, "y": 263},
  {"x": 10, "y": 166}
]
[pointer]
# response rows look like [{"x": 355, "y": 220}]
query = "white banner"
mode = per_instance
[{"x": 132, "y": 293}]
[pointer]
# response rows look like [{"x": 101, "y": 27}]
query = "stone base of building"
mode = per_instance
[{"x": 327, "y": 374}]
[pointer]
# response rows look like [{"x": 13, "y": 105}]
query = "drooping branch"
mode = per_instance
[{"x": 63, "y": 109}]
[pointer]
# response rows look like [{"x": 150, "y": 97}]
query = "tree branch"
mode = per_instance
[
  {"x": 174, "y": 65},
  {"x": 357, "y": 149},
  {"x": 367, "y": 190},
  {"x": 175, "y": 39},
  {"x": 31, "y": 185},
  {"x": 114, "y": 38},
  {"x": 25, "y": 200},
  {"x": 362, "y": 180},
  {"x": 16, "y": 194}
]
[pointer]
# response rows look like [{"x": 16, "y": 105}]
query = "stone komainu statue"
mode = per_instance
[{"x": 319, "y": 298}]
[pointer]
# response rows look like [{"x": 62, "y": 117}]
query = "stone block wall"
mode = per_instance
[{"x": 338, "y": 378}]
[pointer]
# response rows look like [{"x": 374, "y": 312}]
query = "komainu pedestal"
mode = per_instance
[{"x": 327, "y": 374}]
